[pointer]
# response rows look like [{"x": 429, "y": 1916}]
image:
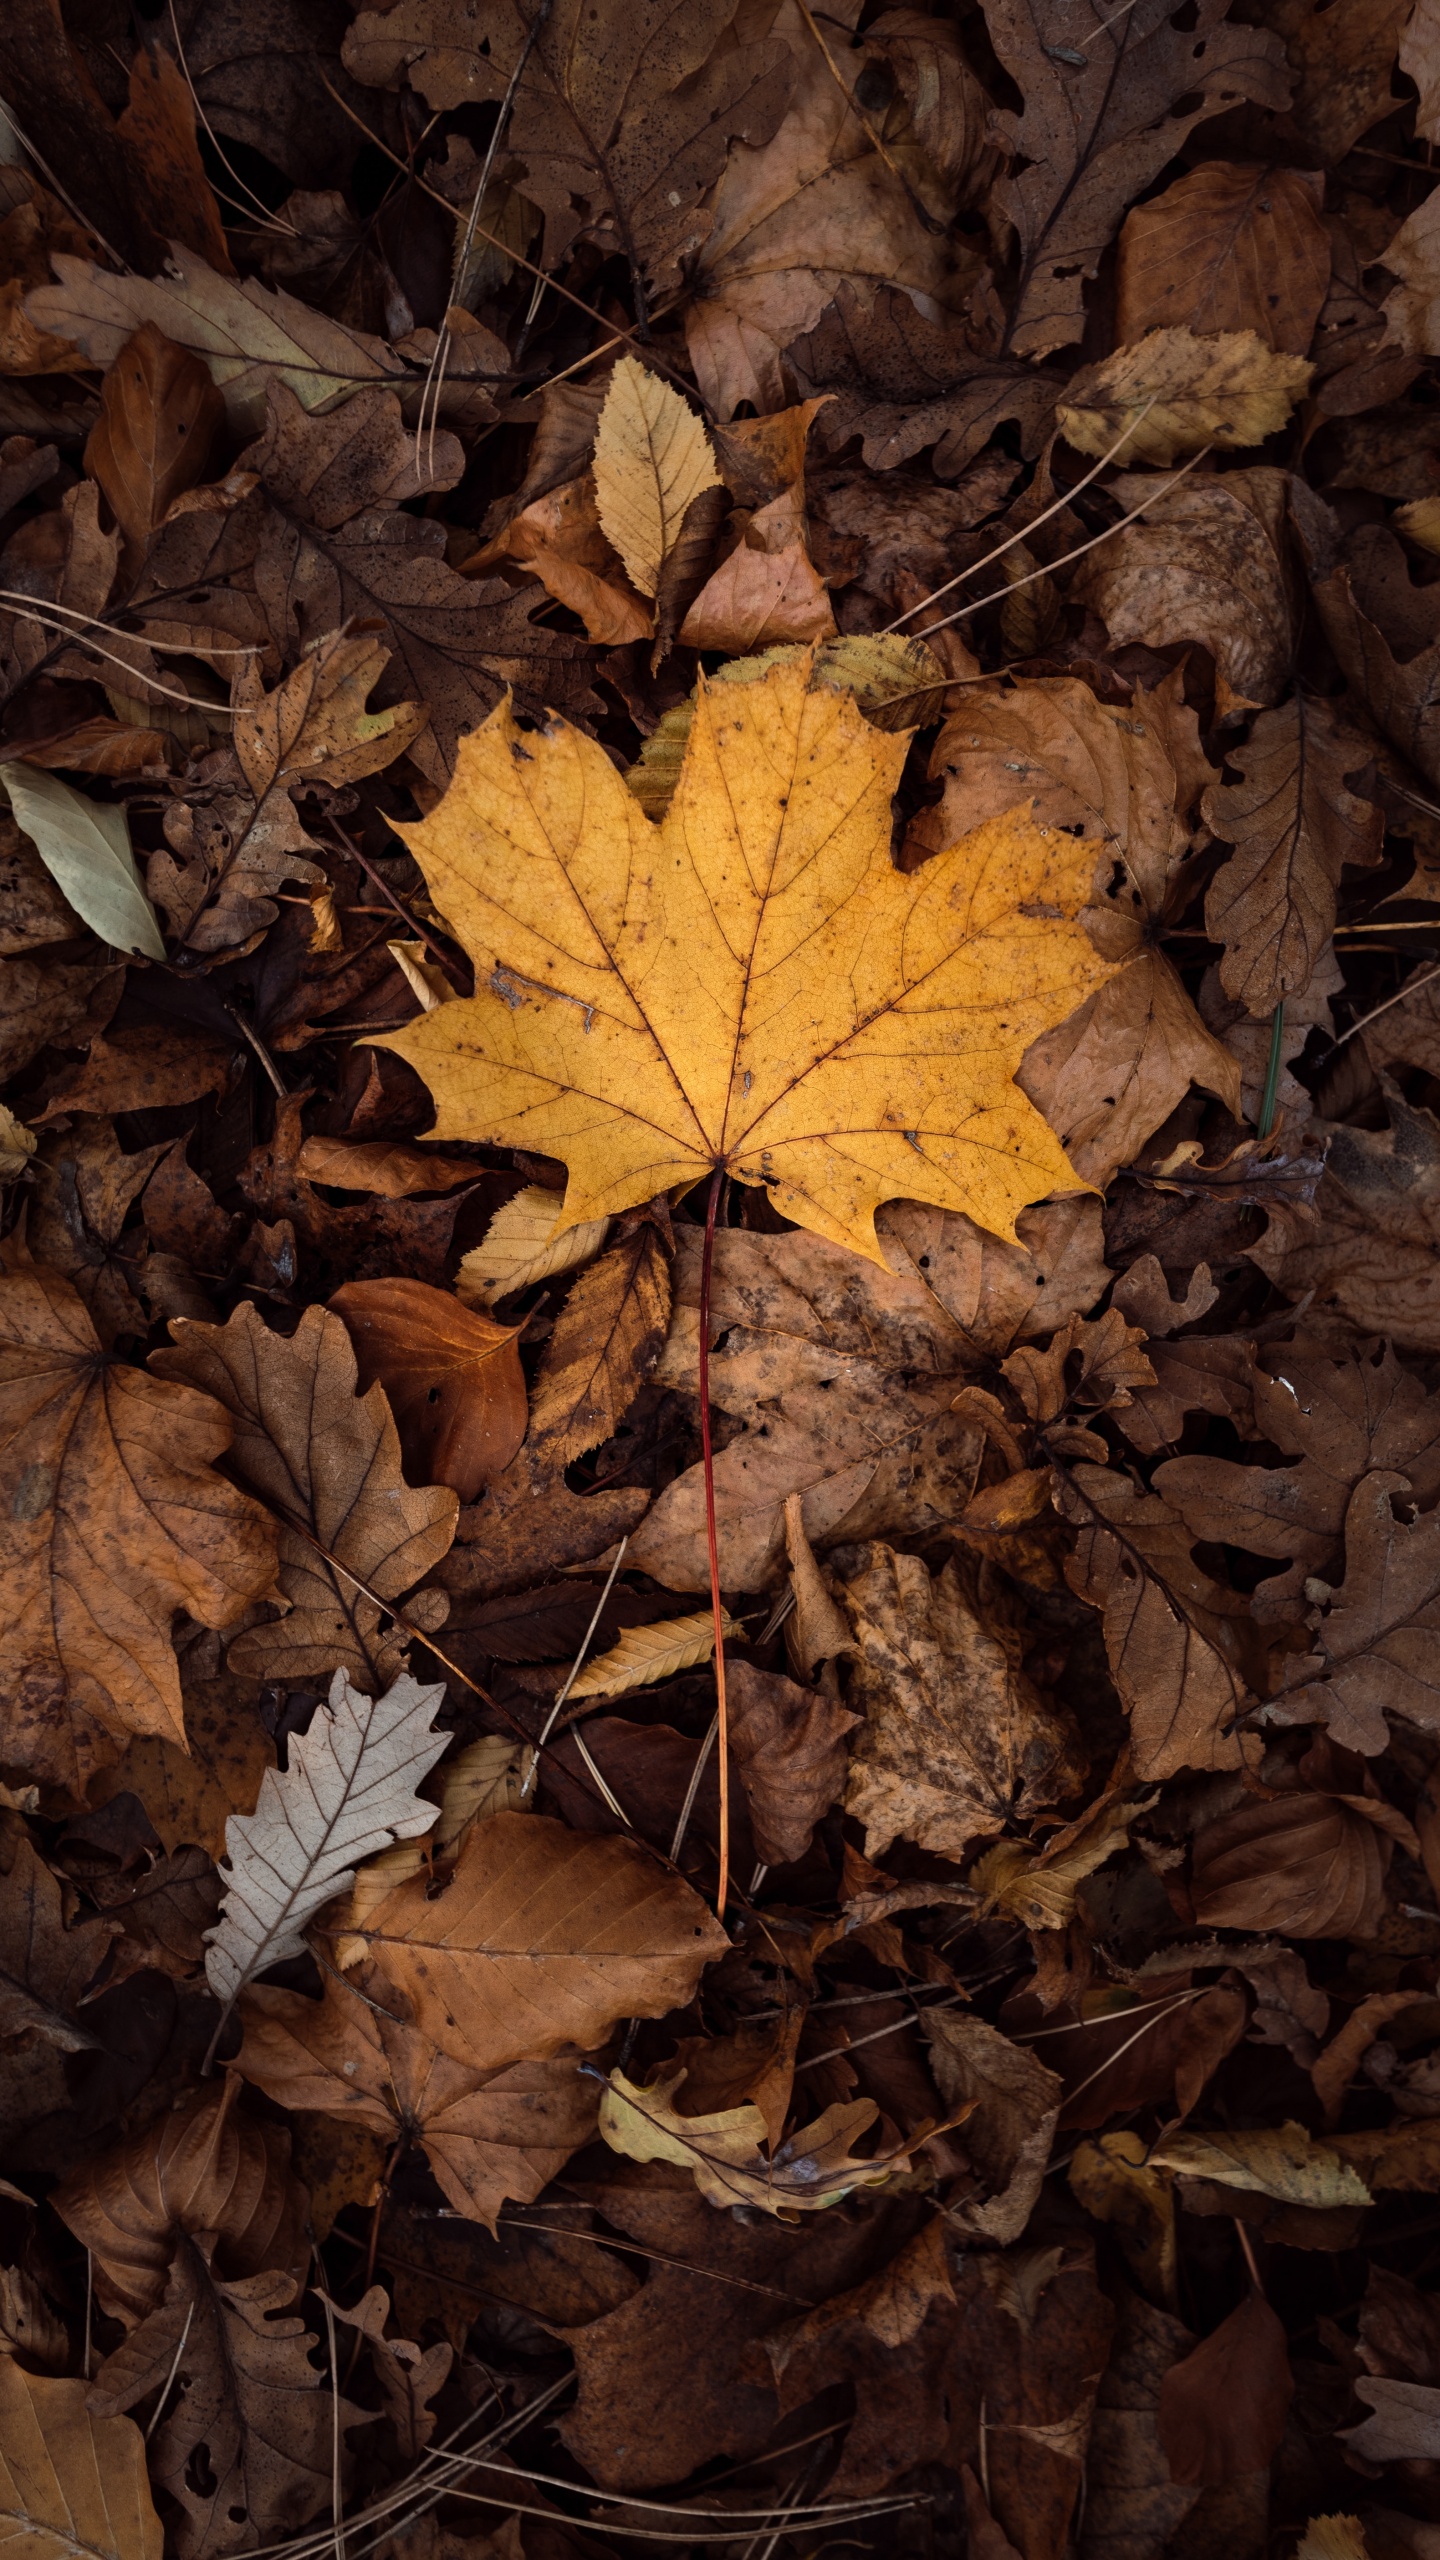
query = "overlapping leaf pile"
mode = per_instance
[{"x": 817, "y": 615}]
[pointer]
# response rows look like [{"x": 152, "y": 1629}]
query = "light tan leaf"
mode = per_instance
[
  {"x": 1009, "y": 2104},
  {"x": 392, "y": 1171},
  {"x": 519, "y": 1248},
  {"x": 652, "y": 456},
  {"x": 328, "y": 1460},
  {"x": 646, "y": 1654},
  {"x": 1420, "y": 61},
  {"x": 1227, "y": 246},
  {"x": 1228, "y": 390},
  {"x": 543, "y": 1937},
  {"x": 810, "y": 2171},
  {"x": 1332, "y": 2538},
  {"x": 70, "y": 2483},
  {"x": 348, "y": 1789},
  {"x": 114, "y": 1519},
  {"x": 1040, "y": 1888},
  {"x": 17, "y": 1145},
  {"x": 1283, "y": 2161}
]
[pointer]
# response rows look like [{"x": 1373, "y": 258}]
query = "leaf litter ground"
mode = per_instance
[{"x": 718, "y": 1316}]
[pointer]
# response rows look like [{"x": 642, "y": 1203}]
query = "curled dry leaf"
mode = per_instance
[
  {"x": 1009, "y": 2106},
  {"x": 452, "y": 1378},
  {"x": 606, "y": 1340},
  {"x": 1205, "y": 562},
  {"x": 789, "y": 1748},
  {"x": 804, "y": 2175},
  {"x": 115, "y": 1519}
]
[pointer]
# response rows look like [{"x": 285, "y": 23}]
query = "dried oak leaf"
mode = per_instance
[
  {"x": 1231, "y": 245},
  {"x": 115, "y": 1518},
  {"x": 452, "y": 1378},
  {"x": 1096, "y": 131},
  {"x": 329, "y": 468},
  {"x": 1205, "y": 562},
  {"x": 1398, "y": 686},
  {"x": 1014, "y": 2106},
  {"x": 902, "y": 382},
  {"x": 541, "y": 1938},
  {"x": 621, "y": 125},
  {"x": 797, "y": 987},
  {"x": 327, "y": 1460},
  {"x": 204, "y": 2167},
  {"x": 70, "y": 2481},
  {"x": 1375, "y": 1641},
  {"x": 957, "y": 1740},
  {"x": 249, "y": 2444},
  {"x": 490, "y": 2135},
  {"x": 825, "y": 203},
  {"x": 1182, "y": 1649},
  {"x": 1342, "y": 59},
  {"x": 1294, "y": 825},
  {"x": 1370, "y": 1254}
]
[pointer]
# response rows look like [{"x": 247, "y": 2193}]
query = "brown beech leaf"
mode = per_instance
[
  {"x": 1098, "y": 133},
  {"x": 607, "y": 1338},
  {"x": 1294, "y": 825},
  {"x": 116, "y": 1518},
  {"x": 957, "y": 1741},
  {"x": 1342, "y": 59},
  {"x": 1014, "y": 2106},
  {"x": 889, "y": 2338},
  {"x": 159, "y": 417},
  {"x": 1374, "y": 1640},
  {"x": 385, "y": 1166},
  {"x": 1307, "y": 1865},
  {"x": 327, "y": 1460},
  {"x": 247, "y": 2446},
  {"x": 205, "y": 2167},
  {"x": 68, "y": 2480},
  {"x": 789, "y": 1747},
  {"x": 559, "y": 538},
  {"x": 1223, "y": 2409},
  {"x": 45, "y": 1967},
  {"x": 541, "y": 1938},
  {"x": 489, "y": 2135},
  {"x": 452, "y": 1378},
  {"x": 1179, "y": 1644},
  {"x": 1230, "y": 245},
  {"x": 1205, "y": 562}
]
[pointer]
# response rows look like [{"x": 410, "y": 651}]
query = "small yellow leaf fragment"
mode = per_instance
[
  {"x": 1183, "y": 393},
  {"x": 646, "y": 1654},
  {"x": 722, "y": 2152},
  {"x": 17, "y": 1145},
  {"x": 1420, "y": 523},
  {"x": 652, "y": 456},
  {"x": 519, "y": 1247}
]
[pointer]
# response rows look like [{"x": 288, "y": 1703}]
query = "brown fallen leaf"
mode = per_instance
[
  {"x": 1206, "y": 562},
  {"x": 1183, "y": 394},
  {"x": 1372, "y": 1642},
  {"x": 607, "y": 1338},
  {"x": 1230, "y": 245},
  {"x": 390, "y": 1168},
  {"x": 159, "y": 416},
  {"x": 559, "y": 538},
  {"x": 541, "y": 1938},
  {"x": 452, "y": 1379},
  {"x": 117, "y": 1518},
  {"x": 253, "y": 2439},
  {"x": 46, "y": 1966},
  {"x": 326, "y": 1463},
  {"x": 1369, "y": 1254},
  {"x": 1308, "y": 1865},
  {"x": 189, "y": 1795},
  {"x": 489, "y": 2135},
  {"x": 956, "y": 1739},
  {"x": 68, "y": 2480},
  {"x": 1343, "y": 61},
  {"x": 789, "y": 1749},
  {"x": 1294, "y": 824},
  {"x": 889, "y": 2337},
  {"x": 1223, "y": 2409},
  {"x": 206, "y": 2168},
  {"x": 811, "y": 2171},
  {"x": 1013, "y": 2105}
]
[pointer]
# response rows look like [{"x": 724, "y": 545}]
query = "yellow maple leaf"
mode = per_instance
[{"x": 752, "y": 984}]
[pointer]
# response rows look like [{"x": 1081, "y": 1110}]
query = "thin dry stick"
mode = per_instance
[
  {"x": 1376, "y": 1010},
  {"x": 1026, "y": 530},
  {"x": 337, "y": 2504},
  {"x": 722, "y": 1728},
  {"x": 1248, "y": 2246},
  {"x": 26, "y": 611},
  {"x": 271, "y": 220},
  {"x": 421, "y": 930},
  {"x": 170, "y": 2376},
  {"x": 702, "y": 1762},
  {"x": 53, "y": 183},
  {"x": 1122, "y": 2049},
  {"x": 576, "y": 1666}
]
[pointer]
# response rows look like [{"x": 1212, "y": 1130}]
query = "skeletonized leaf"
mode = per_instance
[
  {"x": 70, "y": 2483},
  {"x": 348, "y": 1791},
  {"x": 518, "y": 1247},
  {"x": 645, "y": 1654},
  {"x": 86, "y": 850},
  {"x": 1229, "y": 390},
  {"x": 652, "y": 456}
]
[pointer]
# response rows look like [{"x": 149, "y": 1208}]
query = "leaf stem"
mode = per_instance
[
  {"x": 707, "y": 1258},
  {"x": 1272, "y": 1071}
]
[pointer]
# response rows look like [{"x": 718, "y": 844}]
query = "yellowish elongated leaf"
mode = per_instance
[
  {"x": 810, "y": 2171},
  {"x": 1278, "y": 2160},
  {"x": 652, "y": 456},
  {"x": 1228, "y": 390},
  {"x": 519, "y": 1247},
  {"x": 646, "y": 1654},
  {"x": 70, "y": 2484},
  {"x": 754, "y": 985}
]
